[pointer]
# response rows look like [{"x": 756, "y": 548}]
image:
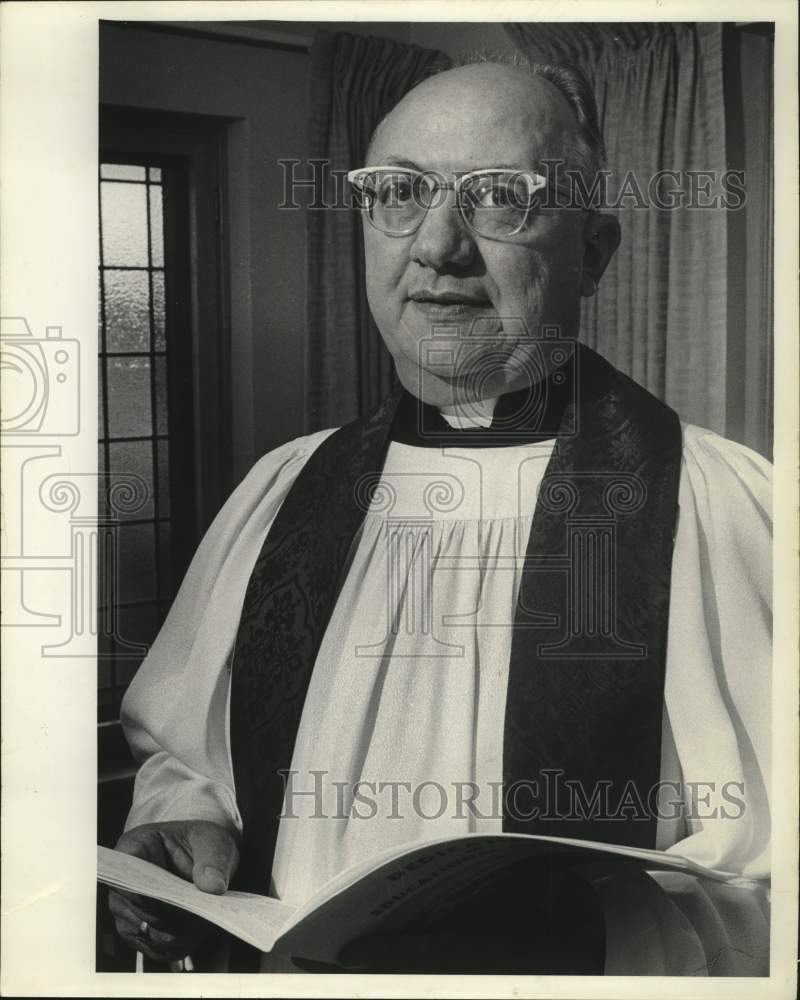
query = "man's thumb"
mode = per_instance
[{"x": 214, "y": 856}]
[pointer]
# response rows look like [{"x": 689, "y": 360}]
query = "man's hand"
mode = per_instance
[{"x": 201, "y": 852}]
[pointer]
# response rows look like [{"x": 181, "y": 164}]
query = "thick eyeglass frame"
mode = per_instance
[{"x": 535, "y": 181}]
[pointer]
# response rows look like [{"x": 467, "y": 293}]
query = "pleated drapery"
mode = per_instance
[
  {"x": 661, "y": 313},
  {"x": 355, "y": 81},
  {"x": 685, "y": 306}
]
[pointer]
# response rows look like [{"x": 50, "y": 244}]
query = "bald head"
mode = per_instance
[
  {"x": 445, "y": 274},
  {"x": 549, "y": 107}
]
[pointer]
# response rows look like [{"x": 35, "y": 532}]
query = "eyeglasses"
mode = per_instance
[{"x": 497, "y": 204}]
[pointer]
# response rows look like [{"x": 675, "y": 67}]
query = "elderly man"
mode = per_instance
[{"x": 520, "y": 567}]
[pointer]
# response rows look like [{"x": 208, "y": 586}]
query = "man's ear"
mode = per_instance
[{"x": 601, "y": 235}]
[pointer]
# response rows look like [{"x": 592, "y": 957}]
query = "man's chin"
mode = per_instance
[
  {"x": 451, "y": 323},
  {"x": 448, "y": 387}
]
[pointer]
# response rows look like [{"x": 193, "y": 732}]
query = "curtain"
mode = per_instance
[
  {"x": 748, "y": 112},
  {"x": 661, "y": 312},
  {"x": 355, "y": 81}
]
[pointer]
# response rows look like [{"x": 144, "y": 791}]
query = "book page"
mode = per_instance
[
  {"x": 396, "y": 888},
  {"x": 379, "y": 895},
  {"x": 258, "y": 920}
]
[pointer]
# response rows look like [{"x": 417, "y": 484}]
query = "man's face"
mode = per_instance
[{"x": 444, "y": 278}]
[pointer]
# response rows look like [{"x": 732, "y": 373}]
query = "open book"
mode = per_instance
[{"x": 386, "y": 892}]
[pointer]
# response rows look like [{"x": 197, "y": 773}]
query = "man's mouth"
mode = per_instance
[{"x": 449, "y": 303}]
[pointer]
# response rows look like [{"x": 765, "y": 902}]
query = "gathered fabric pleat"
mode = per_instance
[{"x": 661, "y": 311}]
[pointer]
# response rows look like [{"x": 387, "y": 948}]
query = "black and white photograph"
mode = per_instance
[{"x": 424, "y": 533}]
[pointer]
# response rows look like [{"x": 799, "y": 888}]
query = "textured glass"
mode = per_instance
[
  {"x": 124, "y": 219},
  {"x": 133, "y": 323},
  {"x": 100, "y": 341},
  {"x": 156, "y": 227},
  {"x": 133, "y": 458},
  {"x": 101, "y": 483},
  {"x": 162, "y": 473},
  {"x": 159, "y": 330},
  {"x": 101, "y": 398},
  {"x": 105, "y": 642},
  {"x": 105, "y": 596},
  {"x": 165, "y": 559},
  {"x": 121, "y": 172},
  {"x": 161, "y": 396},
  {"x": 127, "y": 311},
  {"x": 129, "y": 397},
  {"x": 137, "y": 563}
]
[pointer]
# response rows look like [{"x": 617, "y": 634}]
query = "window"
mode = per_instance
[
  {"x": 134, "y": 427},
  {"x": 162, "y": 408},
  {"x": 164, "y": 402}
]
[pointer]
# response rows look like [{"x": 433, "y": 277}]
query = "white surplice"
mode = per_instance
[{"x": 425, "y": 702}]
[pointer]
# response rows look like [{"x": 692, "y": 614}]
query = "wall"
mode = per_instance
[
  {"x": 261, "y": 92},
  {"x": 458, "y": 39}
]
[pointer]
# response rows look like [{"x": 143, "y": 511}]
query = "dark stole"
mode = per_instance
[{"x": 588, "y": 708}]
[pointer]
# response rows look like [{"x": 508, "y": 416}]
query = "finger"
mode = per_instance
[
  {"x": 142, "y": 930},
  {"x": 139, "y": 933},
  {"x": 143, "y": 842},
  {"x": 158, "y": 945},
  {"x": 162, "y": 844},
  {"x": 135, "y": 909},
  {"x": 215, "y": 856},
  {"x": 175, "y": 925},
  {"x": 155, "y": 950}
]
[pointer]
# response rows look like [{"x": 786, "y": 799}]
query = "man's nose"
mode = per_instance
[{"x": 443, "y": 239}]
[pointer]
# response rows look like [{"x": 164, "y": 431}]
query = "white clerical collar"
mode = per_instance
[{"x": 477, "y": 414}]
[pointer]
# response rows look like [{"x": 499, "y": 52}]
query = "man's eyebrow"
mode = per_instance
[
  {"x": 503, "y": 166},
  {"x": 393, "y": 160}
]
